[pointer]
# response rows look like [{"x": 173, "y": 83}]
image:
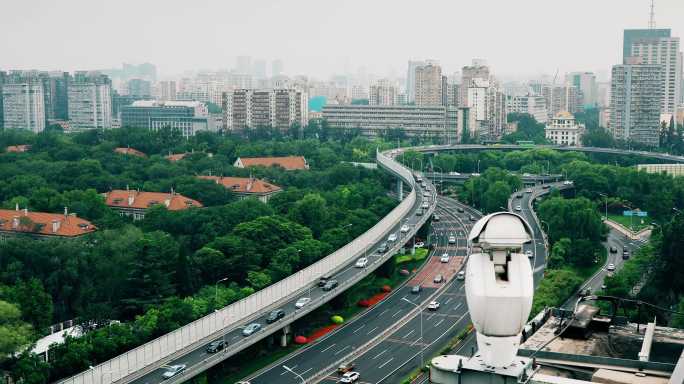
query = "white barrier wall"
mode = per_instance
[{"x": 135, "y": 360}]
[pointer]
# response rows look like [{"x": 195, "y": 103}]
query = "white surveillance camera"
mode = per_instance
[{"x": 499, "y": 285}]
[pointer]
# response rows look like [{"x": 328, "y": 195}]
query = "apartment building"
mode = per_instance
[
  {"x": 429, "y": 85},
  {"x": 24, "y": 106},
  {"x": 278, "y": 108},
  {"x": 90, "y": 101}
]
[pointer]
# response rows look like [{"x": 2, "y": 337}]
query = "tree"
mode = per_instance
[
  {"x": 496, "y": 196},
  {"x": 14, "y": 333},
  {"x": 311, "y": 211},
  {"x": 35, "y": 303},
  {"x": 559, "y": 253},
  {"x": 258, "y": 280}
]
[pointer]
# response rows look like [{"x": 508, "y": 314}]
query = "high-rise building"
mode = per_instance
[
  {"x": 383, "y": 92},
  {"x": 3, "y": 79},
  {"x": 635, "y": 97},
  {"x": 428, "y": 85},
  {"x": 24, "y": 105},
  {"x": 277, "y": 108},
  {"x": 487, "y": 109},
  {"x": 411, "y": 80},
  {"x": 559, "y": 99},
  {"x": 585, "y": 83},
  {"x": 477, "y": 70},
  {"x": 139, "y": 88},
  {"x": 534, "y": 105},
  {"x": 665, "y": 52},
  {"x": 631, "y": 35},
  {"x": 90, "y": 101},
  {"x": 277, "y": 68},
  {"x": 167, "y": 90},
  {"x": 58, "y": 83}
]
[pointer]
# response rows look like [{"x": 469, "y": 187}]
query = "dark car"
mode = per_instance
[
  {"x": 416, "y": 289},
  {"x": 459, "y": 209},
  {"x": 546, "y": 186},
  {"x": 275, "y": 315},
  {"x": 330, "y": 285},
  {"x": 216, "y": 346},
  {"x": 613, "y": 250},
  {"x": 472, "y": 218},
  {"x": 344, "y": 368},
  {"x": 625, "y": 254},
  {"x": 519, "y": 195},
  {"x": 435, "y": 218},
  {"x": 323, "y": 280},
  {"x": 382, "y": 249}
]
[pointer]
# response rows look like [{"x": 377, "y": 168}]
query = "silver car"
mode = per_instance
[
  {"x": 173, "y": 370},
  {"x": 251, "y": 329}
]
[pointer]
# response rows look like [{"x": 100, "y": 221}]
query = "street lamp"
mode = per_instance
[
  {"x": 606, "y": 198},
  {"x": 294, "y": 373},
  {"x": 478, "y": 166},
  {"x": 422, "y": 359},
  {"x": 216, "y": 286}
]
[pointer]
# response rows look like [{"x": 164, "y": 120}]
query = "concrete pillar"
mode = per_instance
[
  {"x": 283, "y": 338},
  {"x": 400, "y": 189}
]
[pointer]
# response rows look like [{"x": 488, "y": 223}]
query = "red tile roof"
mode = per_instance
[
  {"x": 18, "y": 148},
  {"x": 244, "y": 184},
  {"x": 287, "y": 162},
  {"x": 41, "y": 223},
  {"x": 176, "y": 156},
  {"x": 142, "y": 200},
  {"x": 129, "y": 151}
]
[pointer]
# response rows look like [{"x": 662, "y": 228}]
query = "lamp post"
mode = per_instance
[
  {"x": 422, "y": 359},
  {"x": 294, "y": 373},
  {"x": 441, "y": 176},
  {"x": 478, "y": 166},
  {"x": 216, "y": 289},
  {"x": 606, "y": 199}
]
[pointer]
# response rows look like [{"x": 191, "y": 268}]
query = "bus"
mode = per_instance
[{"x": 525, "y": 143}]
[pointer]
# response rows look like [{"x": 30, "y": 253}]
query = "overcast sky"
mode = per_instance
[{"x": 320, "y": 37}]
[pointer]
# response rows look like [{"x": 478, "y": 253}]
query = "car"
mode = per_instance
[
  {"x": 216, "y": 346},
  {"x": 452, "y": 239},
  {"x": 584, "y": 292},
  {"x": 518, "y": 208},
  {"x": 438, "y": 279},
  {"x": 392, "y": 237},
  {"x": 546, "y": 186},
  {"x": 404, "y": 228},
  {"x": 610, "y": 267},
  {"x": 415, "y": 289},
  {"x": 330, "y": 285},
  {"x": 346, "y": 367},
  {"x": 519, "y": 195},
  {"x": 383, "y": 248},
  {"x": 475, "y": 174},
  {"x": 444, "y": 258},
  {"x": 302, "y": 302},
  {"x": 173, "y": 370},
  {"x": 243, "y": 382},
  {"x": 427, "y": 188},
  {"x": 460, "y": 275},
  {"x": 459, "y": 209},
  {"x": 350, "y": 377},
  {"x": 426, "y": 194},
  {"x": 567, "y": 182},
  {"x": 613, "y": 250},
  {"x": 251, "y": 329},
  {"x": 529, "y": 253},
  {"x": 454, "y": 174},
  {"x": 472, "y": 218},
  {"x": 275, "y": 315},
  {"x": 435, "y": 218},
  {"x": 425, "y": 205},
  {"x": 603, "y": 286},
  {"x": 361, "y": 263},
  {"x": 433, "y": 306},
  {"x": 323, "y": 280},
  {"x": 419, "y": 212},
  {"x": 419, "y": 179},
  {"x": 420, "y": 244},
  {"x": 625, "y": 254},
  {"x": 528, "y": 190},
  {"x": 526, "y": 175}
]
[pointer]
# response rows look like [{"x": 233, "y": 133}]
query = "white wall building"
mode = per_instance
[
  {"x": 90, "y": 102},
  {"x": 534, "y": 105},
  {"x": 564, "y": 130},
  {"x": 383, "y": 92},
  {"x": 665, "y": 52},
  {"x": 23, "y": 106}
]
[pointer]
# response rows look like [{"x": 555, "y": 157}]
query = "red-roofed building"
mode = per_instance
[
  {"x": 245, "y": 187},
  {"x": 289, "y": 163},
  {"x": 18, "y": 148},
  {"x": 176, "y": 156},
  {"x": 135, "y": 203},
  {"x": 42, "y": 225},
  {"x": 129, "y": 151}
]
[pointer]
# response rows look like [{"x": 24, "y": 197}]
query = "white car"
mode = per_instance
[
  {"x": 420, "y": 244},
  {"x": 460, "y": 275},
  {"x": 404, "y": 228},
  {"x": 475, "y": 174},
  {"x": 426, "y": 205},
  {"x": 526, "y": 175},
  {"x": 528, "y": 191},
  {"x": 426, "y": 194},
  {"x": 302, "y": 302},
  {"x": 454, "y": 174},
  {"x": 392, "y": 237},
  {"x": 452, "y": 239},
  {"x": 528, "y": 253},
  {"x": 567, "y": 182},
  {"x": 518, "y": 208},
  {"x": 250, "y": 329},
  {"x": 173, "y": 370},
  {"x": 433, "y": 306},
  {"x": 350, "y": 377},
  {"x": 444, "y": 258},
  {"x": 610, "y": 267},
  {"x": 427, "y": 188},
  {"x": 361, "y": 263}
]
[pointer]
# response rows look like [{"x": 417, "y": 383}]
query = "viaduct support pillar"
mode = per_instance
[
  {"x": 283, "y": 338},
  {"x": 400, "y": 189}
]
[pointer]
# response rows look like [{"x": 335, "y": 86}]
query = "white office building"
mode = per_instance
[
  {"x": 665, "y": 52},
  {"x": 90, "y": 102},
  {"x": 533, "y": 105},
  {"x": 564, "y": 130},
  {"x": 24, "y": 106}
]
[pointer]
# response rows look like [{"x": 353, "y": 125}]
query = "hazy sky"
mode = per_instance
[{"x": 517, "y": 37}]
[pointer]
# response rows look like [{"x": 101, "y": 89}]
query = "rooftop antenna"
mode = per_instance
[{"x": 651, "y": 22}]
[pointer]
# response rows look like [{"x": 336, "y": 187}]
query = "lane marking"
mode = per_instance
[
  {"x": 284, "y": 372},
  {"x": 383, "y": 312},
  {"x": 385, "y": 363},
  {"x": 458, "y": 306},
  {"x": 409, "y": 334},
  {"x": 448, "y": 300},
  {"x": 340, "y": 351},
  {"x": 398, "y": 312},
  {"x": 378, "y": 355},
  {"x": 371, "y": 331},
  {"x": 328, "y": 347},
  {"x": 357, "y": 329},
  {"x": 439, "y": 322}
]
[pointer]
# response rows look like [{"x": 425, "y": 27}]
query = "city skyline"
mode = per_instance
[{"x": 583, "y": 35}]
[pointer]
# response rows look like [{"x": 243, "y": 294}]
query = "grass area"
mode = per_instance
[
  {"x": 421, "y": 253},
  {"x": 638, "y": 223}
]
